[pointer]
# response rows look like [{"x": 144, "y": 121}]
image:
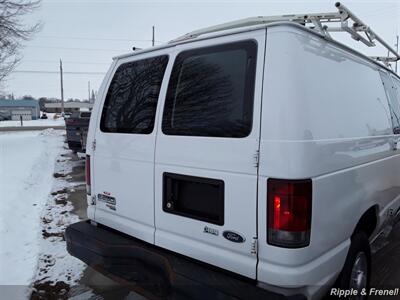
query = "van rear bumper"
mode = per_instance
[{"x": 155, "y": 272}]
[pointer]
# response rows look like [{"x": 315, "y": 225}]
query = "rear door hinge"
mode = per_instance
[
  {"x": 254, "y": 246},
  {"x": 256, "y": 158},
  {"x": 94, "y": 145}
]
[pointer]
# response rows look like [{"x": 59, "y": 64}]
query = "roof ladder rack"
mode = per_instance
[
  {"x": 347, "y": 21},
  {"x": 359, "y": 26}
]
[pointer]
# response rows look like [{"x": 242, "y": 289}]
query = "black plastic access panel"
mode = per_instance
[{"x": 194, "y": 197}]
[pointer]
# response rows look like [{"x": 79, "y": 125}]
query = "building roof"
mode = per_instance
[
  {"x": 68, "y": 105},
  {"x": 19, "y": 103}
]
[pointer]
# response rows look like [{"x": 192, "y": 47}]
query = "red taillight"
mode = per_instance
[
  {"x": 87, "y": 167},
  {"x": 289, "y": 212}
]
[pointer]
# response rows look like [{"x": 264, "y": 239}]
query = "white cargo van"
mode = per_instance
[{"x": 258, "y": 159}]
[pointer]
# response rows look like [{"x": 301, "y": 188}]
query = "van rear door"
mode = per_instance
[
  {"x": 207, "y": 150},
  {"x": 123, "y": 162}
]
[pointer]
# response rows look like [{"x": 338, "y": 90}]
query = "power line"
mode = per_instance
[
  {"x": 79, "y": 49},
  {"x": 93, "y": 39},
  {"x": 55, "y": 72},
  {"x": 67, "y": 61}
]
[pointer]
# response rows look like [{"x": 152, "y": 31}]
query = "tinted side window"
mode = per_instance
[
  {"x": 131, "y": 100},
  {"x": 211, "y": 92},
  {"x": 393, "y": 101},
  {"x": 396, "y": 83}
]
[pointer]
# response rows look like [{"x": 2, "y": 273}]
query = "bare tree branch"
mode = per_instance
[{"x": 13, "y": 32}]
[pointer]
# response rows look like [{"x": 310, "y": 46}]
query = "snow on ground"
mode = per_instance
[
  {"x": 26, "y": 178},
  {"x": 55, "y": 264},
  {"x": 51, "y": 121}
]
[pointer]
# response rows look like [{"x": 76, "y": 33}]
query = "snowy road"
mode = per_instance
[{"x": 26, "y": 176}]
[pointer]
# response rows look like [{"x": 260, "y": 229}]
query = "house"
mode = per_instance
[
  {"x": 69, "y": 107},
  {"x": 14, "y": 109}
]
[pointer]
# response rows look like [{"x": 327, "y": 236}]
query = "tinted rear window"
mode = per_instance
[
  {"x": 396, "y": 106},
  {"x": 131, "y": 100},
  {"x": 211, "y": 92},
  {"x": 393, "y": 102}
]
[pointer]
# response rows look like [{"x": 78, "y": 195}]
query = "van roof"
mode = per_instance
[{"x": 237, "y": 30}]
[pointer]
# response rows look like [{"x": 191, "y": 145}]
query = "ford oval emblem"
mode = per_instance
[{"x": 233, "y": 237}]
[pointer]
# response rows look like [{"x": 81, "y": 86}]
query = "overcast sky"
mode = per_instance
[{"x": 86, "y": 34}]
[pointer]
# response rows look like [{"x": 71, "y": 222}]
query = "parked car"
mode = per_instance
[
  {"x": 43, "y": 116},
  {"x": 257, "y": 161},
  {"x": 77, "y": 126}
]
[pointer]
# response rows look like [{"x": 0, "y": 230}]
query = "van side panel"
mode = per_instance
[{"x": 325, "y": 117}]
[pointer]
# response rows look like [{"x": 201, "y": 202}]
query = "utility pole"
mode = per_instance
[
  {"x": 89, "y": 92},
  {"x": 152, "y": 40},
  {"x": 397, "y": 48},
  {"x": 62, "y": 89}
]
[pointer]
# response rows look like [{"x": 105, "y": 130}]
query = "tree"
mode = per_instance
[
  {"x": 42, "y": 102},
  {"x": 13, "y": 32}
]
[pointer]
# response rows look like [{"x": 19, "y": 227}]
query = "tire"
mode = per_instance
[{"x": 358, "y": 258}]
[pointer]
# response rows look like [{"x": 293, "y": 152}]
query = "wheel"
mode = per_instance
[{"x": 356, "y": 272}]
